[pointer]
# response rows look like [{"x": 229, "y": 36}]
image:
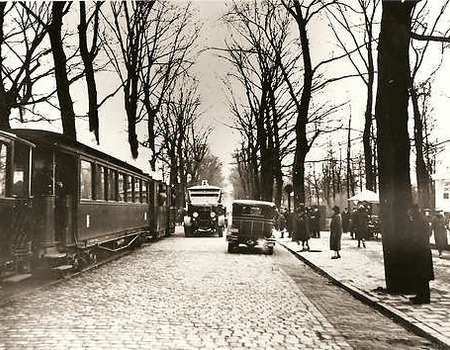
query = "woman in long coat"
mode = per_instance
[
  {"x": 301, "y": 229},
  {"x": 335, "y": 232},
  {"x": 361, "y": 226},
  {"x": 439, "y": 227},
  {"x": 422, "y": 260}
]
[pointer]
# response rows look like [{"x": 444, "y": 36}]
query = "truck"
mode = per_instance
[{"x": 204, "y": 213}]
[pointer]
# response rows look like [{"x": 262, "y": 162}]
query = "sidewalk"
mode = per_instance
[{"x": 361, "y": 272}]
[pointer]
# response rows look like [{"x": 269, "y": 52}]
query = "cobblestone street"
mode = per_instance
[{"x": 183, "y": 293}]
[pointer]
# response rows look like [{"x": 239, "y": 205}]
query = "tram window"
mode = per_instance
[
  {"x": 21, "y": 171},
  {"x": 130, "y": 189},
  {"x": 3, "y": 167},
  {"x": 112, "y": 175},
  {"x": 144, "y": 192},
  {"x": 86, "y": 179},
  {"x": 121, "y": 182},
  {"x": 100, "y": 182}
]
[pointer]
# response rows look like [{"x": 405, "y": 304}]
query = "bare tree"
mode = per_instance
[
  {"x": 180, "y": 111},
  {"x": 88, "y": 56},
  {"x": 167, "y": 45},
  {"x": 59, "y": 10},
  {"x": 424, "y": 25},
  {"x": 391, "y": 112},
  {"x": 129, "y": 23},
  {"x": 359, "y": 47},
  {"x": 22, "y": 31},
  {"x": 313, "y": 82},
  {"x": 257, "y": 70}
]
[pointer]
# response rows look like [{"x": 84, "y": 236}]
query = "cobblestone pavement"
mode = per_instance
[
  {"x": 362, "y": 270},
  {"x": 183, "y": 293},
  {"x": 175, "y": 294}
]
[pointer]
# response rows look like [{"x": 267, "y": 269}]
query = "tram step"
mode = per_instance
[
  {"x": 62, "y": 267},
  {"x": 17, "y": 278}
]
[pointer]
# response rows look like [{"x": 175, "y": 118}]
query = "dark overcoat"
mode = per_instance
[
  {"x": 345, "y": 221},
  {"x": 360, "y": 224},
  {"x": 335, "y": 232},
  {"x": 301, "y": 230},
  {"x": 421, "y": 258},
  {"x": 439, "y": 227}
]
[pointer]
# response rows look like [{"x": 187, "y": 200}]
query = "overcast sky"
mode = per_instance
[{"x": 210, "y": 69}]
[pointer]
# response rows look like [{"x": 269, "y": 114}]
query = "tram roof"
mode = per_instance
[
  {"x": 61, "y": 141},
  {"x": 253, "y": 202},
  {"x": 203, "y": 187}
]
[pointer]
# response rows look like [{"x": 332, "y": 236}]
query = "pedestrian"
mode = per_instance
[
  {"x": 314, "y": 222},
  {"x": 345, "y": 220},
  {"x": 300, "y": 229},
  {"x": 336, "y": 232},
  {"x": 289, "y": 223},
  {"x": 421, "y": 258},
  {"x": 353, "y": 223},
  {"x": 361, "y": 226},
  {"x": 439, "y": 226},
  {"x": 281, "y": 224}
]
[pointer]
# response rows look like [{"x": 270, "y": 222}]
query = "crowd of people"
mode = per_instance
[{"x": 304, "y": 223}]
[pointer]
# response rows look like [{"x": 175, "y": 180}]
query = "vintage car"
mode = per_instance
[
  {"x": 252, "y": 225},
  {"x": 205, "y": 214}
]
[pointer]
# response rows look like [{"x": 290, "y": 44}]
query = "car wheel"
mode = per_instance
[
  {"x": 270, "y": 251},
  {"x": 230, "y": 247}
]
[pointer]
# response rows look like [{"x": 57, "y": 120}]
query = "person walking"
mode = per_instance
[
  {"x": 421, "y": 258},
  {"x": 300, "y": 229},
  {"x": 281, "y": 224},
  {"x": 314, "y": 222},
  {"x": 289, "y": 223},
  {"x": 345, "y": 220},
  {"x": 361, "y": 226},
  {"x": 336, "y": 232},
  {"x": 353, "y": 223},
  {"x": 439, "y": 227}
]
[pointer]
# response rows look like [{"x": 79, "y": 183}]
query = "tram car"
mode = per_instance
[{"x": 62, "y": 204}]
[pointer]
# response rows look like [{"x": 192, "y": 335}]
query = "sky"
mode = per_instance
[{"x": 210, "y": 69}]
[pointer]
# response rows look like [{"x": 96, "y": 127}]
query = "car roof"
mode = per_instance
[{"x": 253, "y": 202}]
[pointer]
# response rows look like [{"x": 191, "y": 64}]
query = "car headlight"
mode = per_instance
[
  {"x": 212, "y": 214},
  {"x": 195, "y": 214}
]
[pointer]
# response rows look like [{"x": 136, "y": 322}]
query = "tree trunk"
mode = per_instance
[
  {"x": 60, "y": 61},
  {"x": 393, "y": 141},
  {"x": 423, "y": 177},
  {"x": 88, "y": 59},
  {"x": 276, "y": 152},
  {"x": 302, "y": 147},
  {"x": 368, "y": 156}
]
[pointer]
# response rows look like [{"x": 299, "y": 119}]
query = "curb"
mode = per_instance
[{"x": 399, "y": 317}]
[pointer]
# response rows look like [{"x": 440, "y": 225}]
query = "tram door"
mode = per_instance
[{"x": 65, "y": 176}]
